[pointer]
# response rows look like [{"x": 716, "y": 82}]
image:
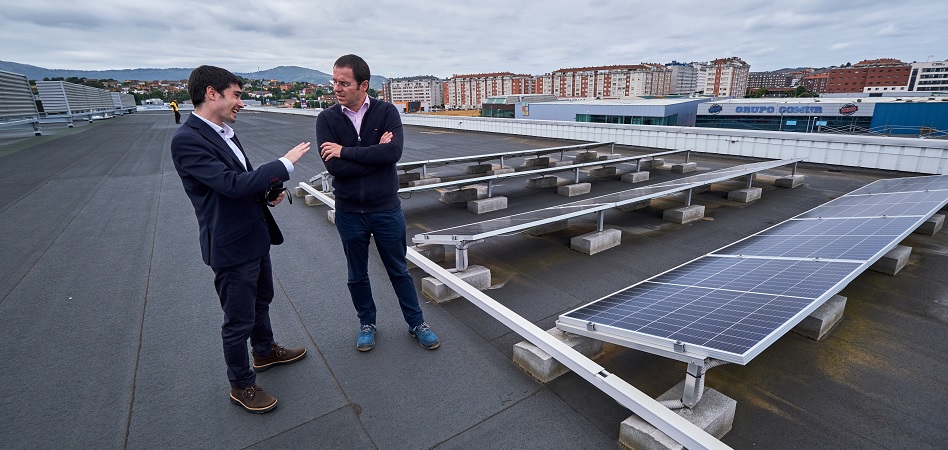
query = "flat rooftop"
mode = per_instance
[{"x": 112, "y": 324}]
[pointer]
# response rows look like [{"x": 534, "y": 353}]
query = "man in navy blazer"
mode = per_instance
[{"x": 235, "y": 227}]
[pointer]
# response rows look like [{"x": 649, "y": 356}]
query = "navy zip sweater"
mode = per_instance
[{"x": 365, "y": 177}]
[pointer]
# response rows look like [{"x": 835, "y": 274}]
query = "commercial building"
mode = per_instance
[
  {"x": 504, "y": 105},
  {"x": 917, "y": 116},
  {"x": 470, "y": 91},
  {"x": 423, "y": 91},
  {"x": 928, "y": 76},
  {"x": 662, "y": 111}
]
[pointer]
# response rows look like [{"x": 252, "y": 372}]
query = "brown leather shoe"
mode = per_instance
[
  {"x": 253, "y": 399},
  {"x": 278, "y": 355}
]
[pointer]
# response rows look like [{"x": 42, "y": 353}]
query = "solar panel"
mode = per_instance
[
  {"x": 522, "y": 221},
  {"x": 733, "y": 303},
  {"x": 881, "y": 204},
  {"x": 911, "y": 184}
]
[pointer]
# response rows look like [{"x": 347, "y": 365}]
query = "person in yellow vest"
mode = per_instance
[{"x": 177, "y": 115}]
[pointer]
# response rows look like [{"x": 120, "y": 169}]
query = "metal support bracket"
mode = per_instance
[
  {"x": 750, "y": 180},
  {"x": 692, "y": 385},
  {"x": 688, "y": 197}
]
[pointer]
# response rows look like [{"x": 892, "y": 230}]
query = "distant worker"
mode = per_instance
[
  {"x": 177, "y": 115},
  {"x": 360, "y": 140}
]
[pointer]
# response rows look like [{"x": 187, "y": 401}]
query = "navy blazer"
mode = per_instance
[{"x": 234, "y": 223}]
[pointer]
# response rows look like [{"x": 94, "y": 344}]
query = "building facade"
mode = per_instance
[
  {"x": 867, "y": 73},
  {"x": 684, "y": 78},
  {"x": 608, "y": 81},
  {"x": 470, "y": 91},
  {"x": 928, "y": 76},
  {"x": 427, "y": 91},
  {"x": 727, "y": 77}
]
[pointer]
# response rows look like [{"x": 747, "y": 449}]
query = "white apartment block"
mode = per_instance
[
  {"x": 929, "y": 76},
  {"x": 470, "y": 91},
  {"x": 684, "y": 78},
  {"x": 727, "y": 77},
  {"x": 607, "y": 81},
  {"x": 427, "y": 90}
]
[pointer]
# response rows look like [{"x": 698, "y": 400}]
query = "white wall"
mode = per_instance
[{"x": 926, "y": 156}]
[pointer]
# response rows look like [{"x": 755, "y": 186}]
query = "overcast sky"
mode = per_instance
[{"x": 443, "y": 38}]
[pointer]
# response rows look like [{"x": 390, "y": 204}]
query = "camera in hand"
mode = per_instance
[{"x": 274, "y": 192}]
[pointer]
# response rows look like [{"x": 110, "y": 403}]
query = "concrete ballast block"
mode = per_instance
[
  {"x": 653, "y": 163},
  {"x": 893, "y": 261},
  {"x": 587, "y": 157},
  {"x": 932, "y": 225},
  {"x": 634, "y": 177},
  {"x": 476, "y": 276},
  {"x": 744, "y": 195},
  {"x": 463, "y": 195},
  {"x": 404, "y": 178},
  {"x": 823, "y": 319},
  {"x": 684, "y": 167},
  {"x": 501, "y": 171},
  {"x": 540, "y": 161},
  {"x": 597, "y": 241},
  {"x": 603, "y": 172},
  {"x": 486, "y": 205},
  {"x": 424, "y": 181},
  {"x": 714, "y": 414},
  {"x": 311, "y": 200},
  {"x": 299, "y": 192},
  {"x": 479, "y": 168},
  {"x": 572, "y": 190},
  {"x": 545, "y": 368},
  {"x": 684, "y": 214},
  {"x": 541, "y": 182},
  {"x": 791, "y": 181}
]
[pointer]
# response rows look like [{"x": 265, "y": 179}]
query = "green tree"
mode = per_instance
[
  {"x": 372, "y": 93},
  {"x": 758, "y": 93}
]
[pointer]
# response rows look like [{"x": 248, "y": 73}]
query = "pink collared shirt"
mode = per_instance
[{"x": 356, "y": 116}]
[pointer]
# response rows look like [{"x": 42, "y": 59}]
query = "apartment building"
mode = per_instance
[
  {"x": 427, "y": 90},
  {"x": 928, "y": 76},
  {"x": 470, "y": 91},
  {"x": 607, "y": 81},
  {"x": 815, "y": 82},
  {"x": 867, "y": 73},
  {"x": 684, "y": 78},
  {"x": 769, "y": 80},
  {"x": 727, "y": 77}
]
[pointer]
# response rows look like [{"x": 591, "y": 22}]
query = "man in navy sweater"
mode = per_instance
[{"x": 360, "y": 140}]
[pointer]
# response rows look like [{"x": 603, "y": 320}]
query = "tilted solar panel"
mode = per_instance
[{"x": 733, "y": 303}]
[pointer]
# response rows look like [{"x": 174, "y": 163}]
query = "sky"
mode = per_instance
[{"x": 445, "y": 38}]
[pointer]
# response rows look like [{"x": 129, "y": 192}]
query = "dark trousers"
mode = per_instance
[
  {"x": 177, "y": 117},
  {"x": 388, "y": 229},
  {"x": 245, "y": 291}
]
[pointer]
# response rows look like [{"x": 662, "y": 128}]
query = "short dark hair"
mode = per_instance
[
  {"x": 360, "y": 69},
  {"x": 215, "y": 77}
]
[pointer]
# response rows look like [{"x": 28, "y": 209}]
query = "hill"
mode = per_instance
[{"x": 281, "y": 73}]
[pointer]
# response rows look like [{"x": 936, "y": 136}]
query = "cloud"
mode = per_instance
[{"x": 428, "y": 37}]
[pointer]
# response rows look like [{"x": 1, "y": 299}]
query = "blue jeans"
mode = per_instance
[
  {"x": 388, "y": 229},
  {"x": 245, "y": 292}
]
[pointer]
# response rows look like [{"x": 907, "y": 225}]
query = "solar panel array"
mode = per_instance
[
  {"x": 733, "y": 303},
  {"x": 522, "y": 221}
]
